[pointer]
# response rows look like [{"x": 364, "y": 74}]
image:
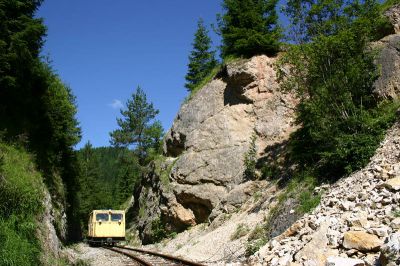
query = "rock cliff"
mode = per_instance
[{"x": 208, "y": 141}]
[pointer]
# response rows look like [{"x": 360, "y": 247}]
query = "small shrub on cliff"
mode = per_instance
[
  {"x": 250, "y": 159},
  {"x": 241, "y": 230},
  {"x": 253, "y": 246},
  {"x": 158, "y": 231}
]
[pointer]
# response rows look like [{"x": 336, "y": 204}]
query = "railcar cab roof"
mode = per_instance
[{"x": 108, "y": 211}]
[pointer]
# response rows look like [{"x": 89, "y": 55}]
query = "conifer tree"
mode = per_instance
[
  {"x": 201, "y": 59},
  {"x": 249, "y": 27},
  {"x": 138, "y": 127}
]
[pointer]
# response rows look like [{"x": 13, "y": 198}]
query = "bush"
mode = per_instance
[
  {"x": 253, "y": 246},
  {"x": 250, "y": 159},
  {"x": 308, "y": 201},
  {"x": 158, "y": 232},
  {"x": 241, "y": 230}
]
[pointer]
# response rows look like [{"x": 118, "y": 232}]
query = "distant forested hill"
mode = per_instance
[{"x": 108, "y": 177}]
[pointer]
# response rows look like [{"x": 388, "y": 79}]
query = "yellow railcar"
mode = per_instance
[{"x": 106, "y": 227}]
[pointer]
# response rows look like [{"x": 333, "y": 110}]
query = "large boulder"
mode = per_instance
[
  {"x": 317, "y": 251},
  {"x": 361, "y": 241}
]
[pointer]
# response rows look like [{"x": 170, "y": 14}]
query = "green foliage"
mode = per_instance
[
  {"x": 313, "y": 18},
  {"x": 389, "y": 3},
  {"x": 201, "y": 60},
  {"x": 163, "y": 169},
  {"x": 204, "y": 81},
  {"x": 257, "y": 233},
  {"x": 213, "y": 73},
  {"x": 158, "y": 231},
  {"x": 21, "y": 194},
  {"x": 333, "y": 75},
  {"x": 269, "y": 171},
  {"x": 249, "y": 27},
  {"x": 250, "y": 159},
  {"x": 138, "y": 129},
  {"x": 301, "y": 188},
  {"x": 308, "y": 201},
  {"x": 253, "y": 246},
  {"x": 240, "y": 231},
  {"x": 257, "y": 195},
  {"x": 36, "y": 108}
]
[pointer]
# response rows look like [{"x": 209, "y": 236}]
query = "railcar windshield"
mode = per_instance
[
  {"x": 116, "y": 217},
  {"x": 101, "y": 217}
]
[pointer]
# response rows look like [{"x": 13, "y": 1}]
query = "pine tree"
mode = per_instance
[
  {"x": 249, "y": 27},
  {"x": 137, "y": 127},
  {"x": 201, "y": 59}
]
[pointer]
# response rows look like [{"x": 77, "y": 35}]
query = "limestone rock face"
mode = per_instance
[
  {"x": 207, "y": 143},
  {"x": 393, "y": 14},
  {"x": 388, "y": 83},
  {"x": 212, "y": 132}
]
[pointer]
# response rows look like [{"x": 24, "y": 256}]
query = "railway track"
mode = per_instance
[{"x": 151, "y": 258}]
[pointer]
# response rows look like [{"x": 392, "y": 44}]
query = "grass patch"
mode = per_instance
[
  {"x": 257, "y": 233},
  {"x": 211, "y": 76},
  {"x": 241, "y": 230},
  {"x": 308, "y": 201},
  {"x": 253, "y": 246},
  {"x": 257, "y": 195},
  {"x": 396, "y": 213},
  {"x": 206, "y": 80},
  {"x": 21, "y": 194},
  {"x": 257, "y": 238},
  {"x": 301, "y": 188}
]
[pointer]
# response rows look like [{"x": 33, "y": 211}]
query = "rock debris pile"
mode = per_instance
[{"x": 356, "y": 223}]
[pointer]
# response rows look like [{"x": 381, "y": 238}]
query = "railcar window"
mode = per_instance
[
  {"x": 116, "y": 217},
  {"x": 101, "y": 217}
]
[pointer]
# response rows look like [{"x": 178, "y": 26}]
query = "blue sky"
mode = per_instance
[{"x": 104, "y": 49}]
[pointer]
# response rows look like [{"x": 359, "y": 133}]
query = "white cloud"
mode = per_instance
[{"x": 116, "y": 104}]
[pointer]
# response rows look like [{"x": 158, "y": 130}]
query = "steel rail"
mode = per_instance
[
  {"x": 135, "y": 258},
  {"x": 165, "y": 256}
]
